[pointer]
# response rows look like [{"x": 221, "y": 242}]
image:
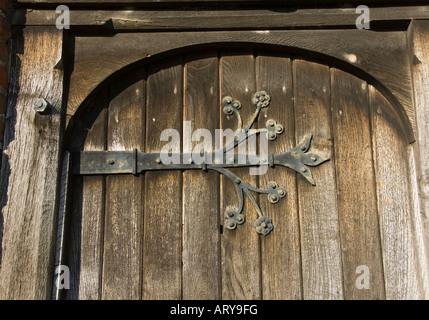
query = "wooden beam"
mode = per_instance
[
  {"x": 379, "y": 58},
  {"x": 419, "y": 53},
  {"x": 30, "y": 168},
  {"x": 211, "y": 2},
  {"x": 202, "y": 19}
]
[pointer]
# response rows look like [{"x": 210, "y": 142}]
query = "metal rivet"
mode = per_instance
[
  {"x": 314, "y": 158},
  {"x": 238, "y": 181},
  {"x": 303, "y": 170},
  {"x": 111, "y": 162},
  {"x": 281, "y": 192},
  {"x": 273, "y": 197},
  {"x": 158, "y": 160}
]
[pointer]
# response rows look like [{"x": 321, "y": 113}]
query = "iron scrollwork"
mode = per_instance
[{"x": 298, "y": 159}]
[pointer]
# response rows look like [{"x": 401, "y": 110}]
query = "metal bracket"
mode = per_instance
[{"x": 297, "y": 159}]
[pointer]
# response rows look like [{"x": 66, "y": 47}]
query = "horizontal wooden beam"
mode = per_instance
[
  {"x": 216, "y": 2},
  {"x": 185, "y": 19}
]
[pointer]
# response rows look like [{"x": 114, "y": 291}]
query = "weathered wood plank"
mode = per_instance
[
  {"x": 162, "y": 252},
  {"x": 122, "y": 259},
  {"x": 418, "y": 35},
  {"x": 391, "y": 167},
  {"x": 418, "y": 226},
  {"x": 201, "y": 235},
  {"x": 240, "y": 247},
  {"x": 280, "y": 251},
  {"x": 204, "y": 2},
  {"x": 318, "y": 211},
  {"x": 86, "y": 218},
  {"x": 92, "y": 224},
  {"x": 31, "y": 166},
  {"x": 189, "y": 19},
  {"x": 382, "y": 56},
  {"x": 357, "y": 207}
]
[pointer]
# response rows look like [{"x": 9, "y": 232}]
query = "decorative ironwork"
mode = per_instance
[{"x": 297, "y": 159}]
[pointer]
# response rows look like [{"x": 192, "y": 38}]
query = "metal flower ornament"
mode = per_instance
[{"x": 297, "y": 159}]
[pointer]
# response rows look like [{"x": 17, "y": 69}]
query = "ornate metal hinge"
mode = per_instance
[{"x": 297, "y": 159}]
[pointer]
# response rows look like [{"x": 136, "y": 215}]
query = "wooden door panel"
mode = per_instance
[
  {"x": 92, "y": 226},
  {"x": 394, "y": 207},
  {"x": 162, "y": 240},
  {"x": 357, "y": 207},
  {"x": 318, "y": 212},
  {"x": 279, "y": 280},
  {"x": 240, "y": 250},
  {"x": 124, "y": 210},
  {"x": 160, "y": 235},
  {"x": 201, "y": 233}
]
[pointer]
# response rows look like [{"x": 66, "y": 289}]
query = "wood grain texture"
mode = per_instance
[
  {"x": 418, "y": 226},
  {"x": 201, "y": 234},
  {"x": 419, "y": 55},
  {"x": 92, "y": 223},
  {"x": 379, "y": 55},
  {"x": 391, "y": 167},
  {"x": 31, "y": 166},
  {"x": 240, "y": 247},
  {"x": 318, "y": 210},
  {"x": 357, "y": 207},
  {"x": 280, "y": 251},
  {"x": 123, "y": 228},
  {"x": 162, "y": 252},
  {"x": 241, "y": 18}
]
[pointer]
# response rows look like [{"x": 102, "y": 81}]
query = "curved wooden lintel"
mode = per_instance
[{"x": 381, "y": 58}]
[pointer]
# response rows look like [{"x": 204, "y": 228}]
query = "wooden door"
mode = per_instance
[{"x": 160, "y": 235}]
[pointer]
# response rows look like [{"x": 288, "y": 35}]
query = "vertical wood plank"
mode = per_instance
[
  {"x": 357, "y": 201},
  {"x": 92, "y": 224},
  {"x": 419, "y": 55},
  {"x": 31, "y": 165},
  {"x": 280, "y": 251},
  {"x": 320, "y": 242},
  {"x": 86, "y": 222},
  {"x": 239, "y": 247},
  {"x": 162, "y": 250},
  {"x": 122, "y": 260},
  {"x": 391, "y": 159},
  {"x": 201, "y": 233}
]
